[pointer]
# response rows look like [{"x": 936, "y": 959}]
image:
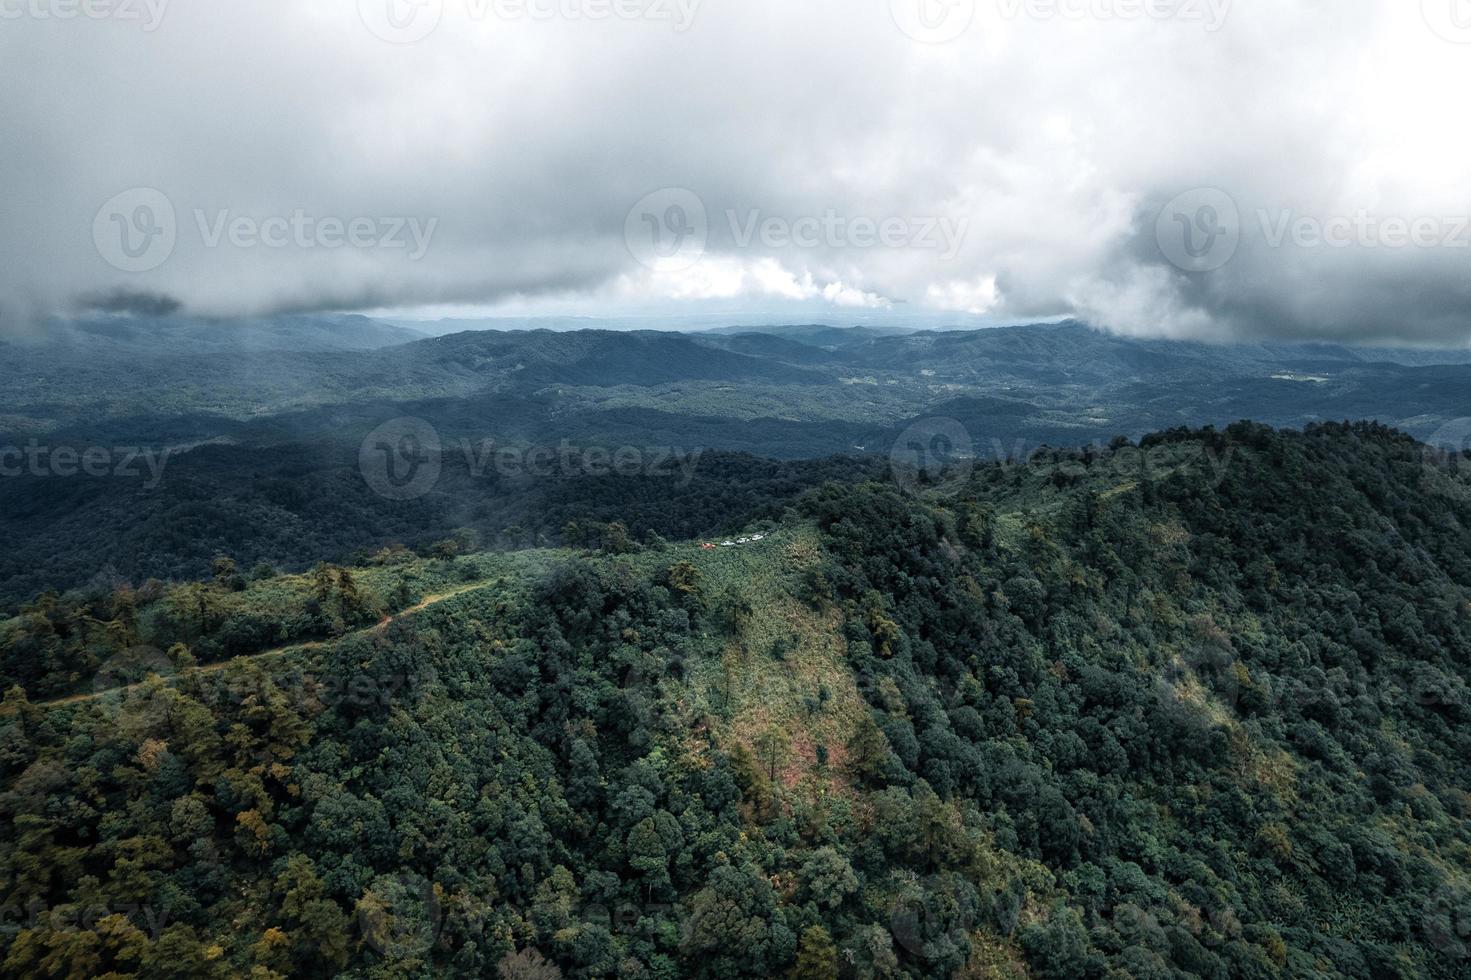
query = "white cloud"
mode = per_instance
[
  {"x": 979, "y": 296},
  {"x": 1053, "y": 140},
  {"x": 839, "y": 294},
  {"x": 735, "y": 277}
]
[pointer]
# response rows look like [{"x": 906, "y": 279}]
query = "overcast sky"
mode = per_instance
[{"x": 1285, "y": 168}]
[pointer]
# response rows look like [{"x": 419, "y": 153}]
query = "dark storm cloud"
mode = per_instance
[
  {"x": 135, "y": 302},
  {"x": 250, "y": 158}
]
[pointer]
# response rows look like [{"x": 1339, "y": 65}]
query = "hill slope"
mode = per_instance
[{"x": 1193, "y": 708}]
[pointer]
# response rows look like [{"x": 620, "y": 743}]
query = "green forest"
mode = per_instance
[{"x": 1194, "y": 706}]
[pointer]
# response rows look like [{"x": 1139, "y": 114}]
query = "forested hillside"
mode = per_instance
[
  {"x": 296, "y": 505},
  {"x": 1195, "y": 707},
  {"x": 245, "y": 436}
]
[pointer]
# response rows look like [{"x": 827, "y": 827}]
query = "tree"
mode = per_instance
[
  {"x": 617, "y": 540},
  {"x": 576, "y": 534},
  {"x": 528, "y": 964},
  {"x": 225, "y": 573},
  {"x": 356, "y": 608},
  {"x": 17, "y": 705},
  {"x": 648, "y": 856},
  {"x": 886, "y": 633},
  {"x": 322, "y": 583},
  {"x": 201, "y": 597},
  {"x": 180, "y": 656},
  {"x": 868, "y": 750},
  {"x": 685, "y": 579},
  {"x": 828, "y": 877},
  {"x": 754, "y": 784},
  {"x": 735, "y": 611},
  {"x": 735, "y": 927},
  {"x": 1059, "y": 946},
  {"x": 817, "y": 956},
  {"x": 772, "y": 748},
  {"x": 319, "y": 926}
]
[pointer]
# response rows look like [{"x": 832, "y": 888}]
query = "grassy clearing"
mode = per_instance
[{"x": 782, "y": 671}]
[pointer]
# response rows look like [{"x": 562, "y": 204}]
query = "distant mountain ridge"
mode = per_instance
[
  {"x": 785, "y": 392},
  {"x": 176, "y": 335},
  {"x": 603, "y": 357}
]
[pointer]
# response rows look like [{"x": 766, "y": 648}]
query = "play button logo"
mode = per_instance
[{"x": 933, "y": 21}]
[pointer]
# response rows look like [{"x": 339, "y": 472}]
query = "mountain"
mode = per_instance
[
  {"x": 598, "y": 358},
  {"x": 830, "y": 388},
  {"x": 244, "y": 412},
  {"x": 176, "y": 335},
  {"x": 815, "y": 335},
  {"x": 1195, "y": 707}
]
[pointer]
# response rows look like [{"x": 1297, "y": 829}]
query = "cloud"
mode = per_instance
[
  {"x": 1051, "y": 135},
  {"x": 980, "y": 296},
  {"x": 129, "y": 301}
]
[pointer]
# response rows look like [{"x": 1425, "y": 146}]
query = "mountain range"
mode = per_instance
[
  {"x": 262, "y": 423},
  {"x": 782, "y": 391}
]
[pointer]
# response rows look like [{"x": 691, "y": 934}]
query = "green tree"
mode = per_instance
[
  {"x": 817, "y": 956},
  {"x": 773, "y": 746},
  {"x": 225, "y": 573},
  {"x": 685, "y": 579},
  {"x": 868, "y": 750},
  {"x": 648, "y": 855},
  {"x": 735, "y": 927},
  {"x": 1058, "y": 947},
  {"x": 828, "y": 877}
]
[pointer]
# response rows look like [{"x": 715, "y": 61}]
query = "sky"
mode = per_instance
[{"x": 1293, "y": 169}]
